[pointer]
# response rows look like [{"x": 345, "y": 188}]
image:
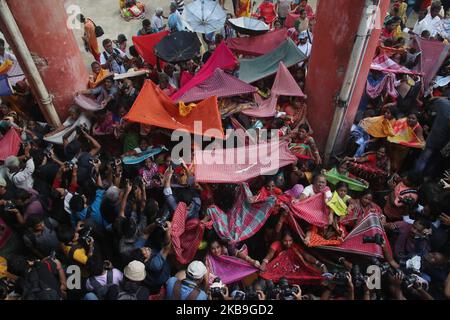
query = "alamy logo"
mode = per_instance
[
  {"x": 374, "y": 277},
  {"x": 73, "y": 23}
]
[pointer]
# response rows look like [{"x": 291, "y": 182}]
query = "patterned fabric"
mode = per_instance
[
  {"x": 405, "y": 135},
  {"x": 356, "y": 212},
  {"x": 219, "y": 84},
  {"x": 244, "y": 219},
  {"x": 186, "y": 235},
  {"x": 317, "y": 240},
  {"x": 149, "y": 153},
  {"x": 385, "y": 64},
  {"x": 288, "y": 265},
  {"x": 312, "y": 210},
  {"x": 229, "y": 269},
  {"x": 217, "y": 166},
  {"x": 375, "y": 88}
]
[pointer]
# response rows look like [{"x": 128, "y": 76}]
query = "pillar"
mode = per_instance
[{"x": 53, "y": 47}]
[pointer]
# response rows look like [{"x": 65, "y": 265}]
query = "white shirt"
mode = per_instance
[
  {"x": 306, "y": 49},
  {"x": 15, "y": 74},
  {"x": 309, "y": 192},
  {"x": 23, "y": 179},
  {"x": 157, "y": 23},
  {"x": 428, "y": 23},
  {"x": 116, "y": 68}
]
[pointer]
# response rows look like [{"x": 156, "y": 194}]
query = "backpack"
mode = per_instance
[
  {"x": 98, "y": 30},
  {"x": 177, "y": 291},
  {"x": 102, "y": 290},
  {"x": 125, "y": 295},
  {"x": 35, "y": 288}
]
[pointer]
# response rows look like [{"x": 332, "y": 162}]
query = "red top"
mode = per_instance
[{"x": 277, "y": 246}]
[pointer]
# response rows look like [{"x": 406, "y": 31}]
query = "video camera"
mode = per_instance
[
  {"x": 217, "y": 289},
  {"x": 161, "y": 222},
  {"x": 70, "y": 164},
  {"x": 282, "y": 291}
]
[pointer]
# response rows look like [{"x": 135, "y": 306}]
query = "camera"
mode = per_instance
[
  {"x": 251, "y": 295},
  {"x": 239, "y": 295},
  {"x": 217, "y": 289},
  {"x": 161, "y": 222},
  {"x": 384, "y": 267},
  {"x": 340, "y": 279},
  {"x": 85, "y": 237},
  {"x": 377, "y": 238},
  {"x": 114, "y": 163},
  {"x": 94, "y": 160},
  {"x": 9, "y": 205},
  {"x": 70, "y": 164},
  {"x": 286, "y": 292}
]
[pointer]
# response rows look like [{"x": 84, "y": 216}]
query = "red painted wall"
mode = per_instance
[
  {"x": 43, "y": 26},
  {"x": 334, "y": 36}
]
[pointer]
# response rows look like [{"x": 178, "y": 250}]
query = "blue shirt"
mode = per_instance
[
  {"x": 174, "y": 22},
  {"x": 158, "y": 272},
  {"x": 94, "y": 211},
  {"x": 185, "y": 290}
]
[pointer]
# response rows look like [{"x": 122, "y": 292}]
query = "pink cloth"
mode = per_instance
[
  {"x": 312, "y": 210},
  {"x": 388, "y": 83},
  {"x": 385, "y": 64},
  {"x": 9, "y": 144},
  {"x": 296, "y": 191},
  {"x": 257, "y": 45},
  {"x": 222, "y": 58},
  {"x": 87, "y": 103},
  {"x": 229, "y": 269},
  {"x": 284, "y": 85},
  {"x": 241, "y": 164},
  {"x": 219, "y": 84},
  {"x": 433, "y": 55}
]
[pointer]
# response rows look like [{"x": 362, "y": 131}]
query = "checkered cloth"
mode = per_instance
[
  {"x": 241, "y": 164},
  {"x": 384, "y": 64},
  {"x": 220, "y": 84},
  {"x": 244, "y": 219}
]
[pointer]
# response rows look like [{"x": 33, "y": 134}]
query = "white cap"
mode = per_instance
[{"x": 196, "y": 270}]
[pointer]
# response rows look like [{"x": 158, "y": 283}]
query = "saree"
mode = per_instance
[
  {"x": 371, "y": 170},
  {"x": 228, "y": 268},
  {"x": 333, "y": 177},
  {"x": 241, "y": 8},
  {"x": 267, "y": 10},
  {"x": 404, "y": 135},
  {"x": 288, "y": 265},
  {"x": 356, "y": 212},
  {"x": 378, "y": 127},
  {"x": 317, "y": 240}
]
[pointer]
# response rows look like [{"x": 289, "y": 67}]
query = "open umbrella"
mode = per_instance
[
  {"x": 248, "y": 26},
  {"x": 178, "y": 46},
  {"x": 204, "y": 16}
]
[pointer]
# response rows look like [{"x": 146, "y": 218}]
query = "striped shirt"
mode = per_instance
[{"x": 180, "y": 5}]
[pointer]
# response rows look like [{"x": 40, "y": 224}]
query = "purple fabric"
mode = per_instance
[
  {"x": 296, "y": 191},
  {"x": 229, "y": 269},
  {"x": 374, "y": 88}
]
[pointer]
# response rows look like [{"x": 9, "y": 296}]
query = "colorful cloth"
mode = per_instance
[
  {"x": 217, "y": 166},
  {"x": 333, "y": 177},
  {"x": 153, "y": 107},
  {"x": 267, "y": 10},
  {"x": 9, "y": 144},
  {"x": 244, "y": 219},
  {"x": 405, "y": 135},
  {"x": 338, "y": 205},
  {"x": 145, "y": 44},
  {"x": 257, "y": 45},
  {"x": 149, "y": 153},
  {"x": 356, "y": 212},
  {"x": 186, "y": 235},
  {"x": 317, "y": 240},
  {"x": 251, "y": 70},
  {"x": 241, "y": 8},
  {"x": 219, "y": 84},
  {"x": 288, "y": 265},
  {"x": 384, "y": 64},
  {"x": 375, "y": 87},
  {"x": 229, "y": 269},
  {"x": 378, "y": 127},
  {"x": 6, "y": 66}
]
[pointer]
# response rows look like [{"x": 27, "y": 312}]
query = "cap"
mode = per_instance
[
  {"x": 12, "y": 162},
  {"x": 2, "y": 182},
  {"x": 135, "y": 271},
  {"x": 196, "y": 270},
  {"x": 303, "y": 35}
]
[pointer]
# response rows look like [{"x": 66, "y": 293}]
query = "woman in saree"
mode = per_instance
[
  {"x": 97, "y": 76},
  {"x": 308, "y": 264},
  {"x": 241, "y": 8},
  {"x": 303, "y": 145},
  {"x": 374, "y": 167},
  {"x": 267, "y": 10},
  {"x": 408, "y": 134},
  {"x": 358, "y": 209}
]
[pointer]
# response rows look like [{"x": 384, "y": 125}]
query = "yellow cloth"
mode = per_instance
[
  {"x": 243, "y": 8},
  {"x": 405, "y": 135},
  {"x": 102, "y": 75},
  {"x": 338, "y": 205},
  {"x": 6, "y": 66},
  {"x": 185, "y": 109},
  {"x": 378, "y": 127},
  {"x": 79, "y": 255}
]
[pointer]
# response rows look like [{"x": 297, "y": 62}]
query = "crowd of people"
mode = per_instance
[{"x": 104, "y": 194}]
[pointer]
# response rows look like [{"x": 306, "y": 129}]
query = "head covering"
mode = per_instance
[
  {"x": 112, "y": 194},
  {"x": 303, "y": 35},
  {"x": 2, "y": 182},
  {"x": 196, "y": 270},
  {"x": 12, "y": 162},
  {"x": 135, "y": 271},
  {"x": 296, "y": 191},
  {"x": 159, "y": 10}
]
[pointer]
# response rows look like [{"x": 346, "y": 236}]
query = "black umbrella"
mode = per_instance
[{"x": 178, "y": 46}]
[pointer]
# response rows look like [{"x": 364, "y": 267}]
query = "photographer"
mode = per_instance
[
  {"x": 21, "y": 175},
  {"x": 339, "y": 286},
  {"x": 77, "y": 249},
  {"x": 103, "y": 276},
  {"x": 112, "y": 58},
  {"x": 40, "y": 237},
  {"x": 191, "y": 287}
]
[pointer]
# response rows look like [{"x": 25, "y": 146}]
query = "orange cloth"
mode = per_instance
[
  {"x": 153, "y": 107},
  {"x": 378, "y": 127},
  {"x": 243, "y": 8},
  {"x": 102, "y": 75},
  {"x": 6, "y": 66},
  {"x": 405, "y": 135},
  {"x": 91, "y": 38}
]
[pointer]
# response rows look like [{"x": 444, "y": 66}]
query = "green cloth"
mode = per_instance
[
  {"x": 333, "y": 177},
  {"x": 251, "y": 70}
]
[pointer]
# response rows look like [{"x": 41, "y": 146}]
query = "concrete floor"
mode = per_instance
[{"x": 106, "y": 14}]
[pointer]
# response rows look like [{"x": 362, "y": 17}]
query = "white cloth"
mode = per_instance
[
  {"x": 157, "y": 22},
  {"x": 69, "y": 124},
  {"x": 428, "y": 23},
  {"x": 309, "y": 192},
  {"x": 306, "y": 49},
  {"x": 23, "y": 179}
]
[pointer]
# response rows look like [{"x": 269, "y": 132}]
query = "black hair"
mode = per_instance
[
  {"x": 286, "y": 232},
  {"x": 151, "y": 210},
  {"x": 95, "y": 266},
  {"x": 2, "y": 42},
  {"x": 424, "y": 222},
  {"x": 304, "y": 126},
  {"x": 129, "y": 228},
  {"x": 415, "y": 178},
  {"x": 94, "y": 63},
  {"x": 106, "y": 41},
  {"x": 76, "y": 204},
  {"x": 38, "y": 157},
  {"x": 18, "y": 265},
  {"x": 341, "y": 184},
  {"x": 33, "y": 220},
  {"x": 65, "y": 233},
  {"x": 137, "y": 255},
  {"x": 366, "y": 192},
  {"x": 82, "y": 18},
  {"x": 133, "y": 51},
  {"x": 146, "y": 23}
]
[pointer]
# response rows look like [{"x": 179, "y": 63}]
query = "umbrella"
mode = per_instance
[
  {"x": 204, "y": 16},
  {"x": 248, "y": 26},
  {"x": 178, "y": 46}
]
